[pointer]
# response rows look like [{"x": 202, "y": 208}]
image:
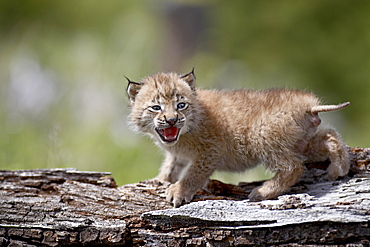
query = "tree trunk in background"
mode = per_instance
[{"x": 60, "y": 207}]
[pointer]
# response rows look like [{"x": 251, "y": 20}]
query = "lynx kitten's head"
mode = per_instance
[{"x": 163, "y": 105}]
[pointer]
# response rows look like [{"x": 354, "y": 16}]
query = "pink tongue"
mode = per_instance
[{"x": 170, "y": 133}]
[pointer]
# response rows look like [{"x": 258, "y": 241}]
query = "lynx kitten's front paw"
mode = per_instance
[{"x": 177, "y": 194}]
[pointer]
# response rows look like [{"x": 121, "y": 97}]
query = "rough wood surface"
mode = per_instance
[{"x": 61, "y": 207}]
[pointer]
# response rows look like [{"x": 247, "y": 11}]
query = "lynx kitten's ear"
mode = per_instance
[
  {"x": 132, "y": 90},
  {"x": 190, "y": 79}
]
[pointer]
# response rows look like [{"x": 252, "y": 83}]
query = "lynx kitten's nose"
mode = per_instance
[{"x": 172, "y": 121}]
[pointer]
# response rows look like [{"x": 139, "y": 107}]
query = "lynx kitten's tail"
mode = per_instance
[{"x": 324, "y": 108}]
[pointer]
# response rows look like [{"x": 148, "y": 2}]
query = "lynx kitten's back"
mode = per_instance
[{"x": 210, "y": 130}]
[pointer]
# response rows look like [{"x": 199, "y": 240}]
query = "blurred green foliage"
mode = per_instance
[{"x": 62, "y": 64}]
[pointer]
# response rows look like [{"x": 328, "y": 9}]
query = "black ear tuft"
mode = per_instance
[
  {"x": 132, "y": 89},
  {"x": 190, "y": 78},
  {"x": 128, "y": 80}
]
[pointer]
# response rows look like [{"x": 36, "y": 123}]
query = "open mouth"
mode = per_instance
[{"x": 168, "y": 134}]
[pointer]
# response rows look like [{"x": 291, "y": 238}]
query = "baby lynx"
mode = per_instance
[{"x": 232, "y": 131}]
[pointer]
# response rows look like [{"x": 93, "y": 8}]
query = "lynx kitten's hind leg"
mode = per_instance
[
  {"x": 327, "y": 144},
  {"x": 290, "y": 170},
  {"x": 171, "y": 169}
]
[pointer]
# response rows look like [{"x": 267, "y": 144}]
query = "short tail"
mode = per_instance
[{"x": 324, "y": 108}]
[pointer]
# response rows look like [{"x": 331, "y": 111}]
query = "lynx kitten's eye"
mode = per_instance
[
  {"x": 156, "y": 108},
  {"x": 181, "y": 105}
]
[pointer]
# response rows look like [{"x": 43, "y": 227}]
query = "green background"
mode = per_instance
[{"x": 62, "y": 68}]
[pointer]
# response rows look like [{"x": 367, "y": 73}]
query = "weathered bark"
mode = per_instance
[{"x": 61, "y": 207}]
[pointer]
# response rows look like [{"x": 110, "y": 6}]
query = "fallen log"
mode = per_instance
[{"x": 67, "y": 207}]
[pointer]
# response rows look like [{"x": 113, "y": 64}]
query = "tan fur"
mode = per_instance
[{"x": 233, "y": 131}]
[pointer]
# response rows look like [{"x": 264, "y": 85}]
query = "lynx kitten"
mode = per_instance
[{"x": 232, "y": 131}]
